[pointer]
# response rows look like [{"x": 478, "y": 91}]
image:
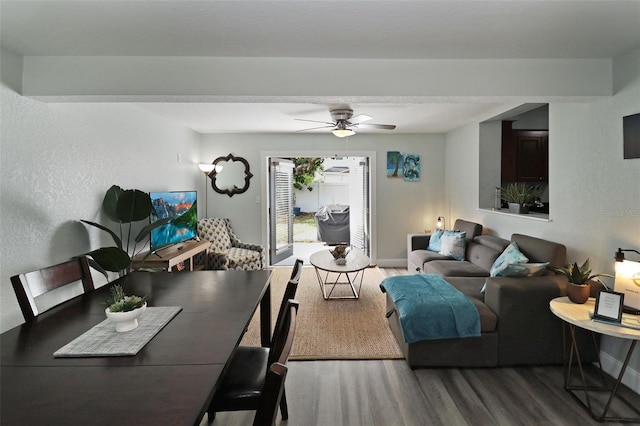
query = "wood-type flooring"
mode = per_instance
[{"x": 345, "y": 393}]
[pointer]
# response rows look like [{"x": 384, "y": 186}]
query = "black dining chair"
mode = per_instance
[
  {"x": 244, "y": 381},
  {"x": 267, "y": 411},
  {"x": 33, "y": 284},
  {"x": 297, "y": 270}
]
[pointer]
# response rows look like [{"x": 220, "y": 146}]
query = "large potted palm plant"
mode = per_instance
[{"x": 124, "y": 207}]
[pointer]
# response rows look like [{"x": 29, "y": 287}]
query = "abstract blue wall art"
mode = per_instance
[{"x": 411, "y": 167}]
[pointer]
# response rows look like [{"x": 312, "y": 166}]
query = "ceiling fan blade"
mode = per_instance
[
  {"x": 316, "y": 121},
  {"x": 330, "y": 126},
  {"x": 360, "y": 118},
  {"x": 376, "y": 126}
]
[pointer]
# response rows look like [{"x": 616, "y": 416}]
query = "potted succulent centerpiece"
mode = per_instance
[
  {"x": 124, "y": 310},
  {"x": 580, "y": 280},
  {"x": 519, "y": 196}
]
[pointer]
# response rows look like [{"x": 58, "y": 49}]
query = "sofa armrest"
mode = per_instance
[
  {"x": 526, "y": 326},
  {"x": 417, "y": 242},
  {"x": 248, "y": 246}
]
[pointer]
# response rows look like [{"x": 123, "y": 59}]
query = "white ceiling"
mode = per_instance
[{"x": 448, "y": 29}]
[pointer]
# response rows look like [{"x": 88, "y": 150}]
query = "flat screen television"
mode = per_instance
[{"x": 182, "y": 209}]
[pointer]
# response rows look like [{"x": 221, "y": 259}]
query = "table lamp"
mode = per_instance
[{"x": 627, "y": 280}]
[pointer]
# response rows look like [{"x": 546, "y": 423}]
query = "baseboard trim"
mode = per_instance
[{"x": 612, "y": 366}]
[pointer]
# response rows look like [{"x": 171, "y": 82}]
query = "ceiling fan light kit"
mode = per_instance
[
  {"x": 342, "y": 131},
  {"x": 344, "y": 123}
]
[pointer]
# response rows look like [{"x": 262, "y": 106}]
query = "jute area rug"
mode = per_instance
[{"x": 333, "y": 329}]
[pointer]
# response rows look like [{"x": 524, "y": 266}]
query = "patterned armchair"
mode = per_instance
[{"x": 226, "y": 251}]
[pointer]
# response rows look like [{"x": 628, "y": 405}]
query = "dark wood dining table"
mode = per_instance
[{"x": 170, "y": 381}]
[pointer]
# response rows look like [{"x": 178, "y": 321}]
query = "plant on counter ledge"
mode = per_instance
[
  {"x": 119, "y": 302},
  {"x": 520, "y": 196}
]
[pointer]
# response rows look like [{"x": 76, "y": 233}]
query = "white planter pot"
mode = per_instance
[
  {"x": 518, "y": 208},
  {"x": 125, "y": 321}
]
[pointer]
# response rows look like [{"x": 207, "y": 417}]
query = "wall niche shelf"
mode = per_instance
[{"x": 540, "y": 217}]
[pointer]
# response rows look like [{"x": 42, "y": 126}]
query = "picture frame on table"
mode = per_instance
[{"x": 609, "y": 306}]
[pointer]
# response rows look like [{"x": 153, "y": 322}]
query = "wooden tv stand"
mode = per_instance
[{"x": 171, "y": 257}]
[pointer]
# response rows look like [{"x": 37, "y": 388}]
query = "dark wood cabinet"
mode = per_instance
[{"x": 525, "y": 155}]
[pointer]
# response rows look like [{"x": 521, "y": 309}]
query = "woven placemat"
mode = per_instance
[{"x": 104, "y": 340}]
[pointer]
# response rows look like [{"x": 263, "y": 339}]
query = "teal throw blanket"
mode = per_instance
[{"x": 430, "y": 308}]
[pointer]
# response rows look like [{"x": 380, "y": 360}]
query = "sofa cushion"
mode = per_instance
[
  {"x": 539, "y": 250},
  {"x": 434, "y": 240},
  {"x": 453, "y": 244},
  {"x": 471, "y": 229},
  {"x": 454, "y": 268},
  {"x": 470, "y": 287},
  {"x": 484, "y": 250},
  {"x": 419, "y": 257},
  {"x": 525, "y": 269},
  {"x": 510, "y": 255}
]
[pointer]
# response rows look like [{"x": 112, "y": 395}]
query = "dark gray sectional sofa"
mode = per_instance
[{"x": 517, "y": 327}]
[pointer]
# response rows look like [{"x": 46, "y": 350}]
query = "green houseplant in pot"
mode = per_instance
[
  {"x": 124, "y": 207},
  {"x": 580, "y": 280},
  {"x": 520, "y": 195},
  {"x": 124, "y": 310}
]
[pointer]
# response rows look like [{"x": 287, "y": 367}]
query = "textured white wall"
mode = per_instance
[
  {"x": 57, "y": 160},
  {"x": 594, "y": 193}
]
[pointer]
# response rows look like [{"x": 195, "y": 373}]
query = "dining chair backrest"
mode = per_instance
[
  {"x": 36, "y": 283},
  {"x": 292, "y": 287},
  {"x": 271, "y": 395},
  {"x": 289, "y": 293},
  {"x": 283, "y": 334},
  {"x": 297, "y": 270}
]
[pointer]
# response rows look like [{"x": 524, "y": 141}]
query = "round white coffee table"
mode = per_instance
[{"x": 324, "y": 264}]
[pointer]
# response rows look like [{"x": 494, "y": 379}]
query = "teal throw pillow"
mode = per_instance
[
  {"x": 434, "y": 240},
  {"x": 452, "y": 244},
  {"x": 524, "y": 269},
  {"x": 521, "y": 270},
  {"x": 511, "y": 254}
]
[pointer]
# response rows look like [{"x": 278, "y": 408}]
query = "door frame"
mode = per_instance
[{"x": 265, "y": 157}]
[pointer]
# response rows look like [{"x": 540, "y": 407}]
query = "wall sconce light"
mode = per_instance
[
  {"x": 440, "y": 224},
  {"x": 206, "y": 168}
]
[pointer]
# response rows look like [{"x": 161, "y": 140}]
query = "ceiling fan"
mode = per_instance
[{"x": 344, "y": 123}]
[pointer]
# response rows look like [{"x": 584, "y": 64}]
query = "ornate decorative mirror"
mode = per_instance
[{"x": 233, "y": 175}]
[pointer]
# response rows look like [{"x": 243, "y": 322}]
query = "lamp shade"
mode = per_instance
[{"x": 206, "y": 168}]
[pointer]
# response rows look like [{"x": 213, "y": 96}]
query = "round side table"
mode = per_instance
[{"x": 576, "y": 315}]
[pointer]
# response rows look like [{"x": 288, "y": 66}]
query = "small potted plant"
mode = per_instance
[
  {"x": 124, "y": 310},
  {"x": 580, "y": 279},
  {"x": 520, "y": 196}
]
